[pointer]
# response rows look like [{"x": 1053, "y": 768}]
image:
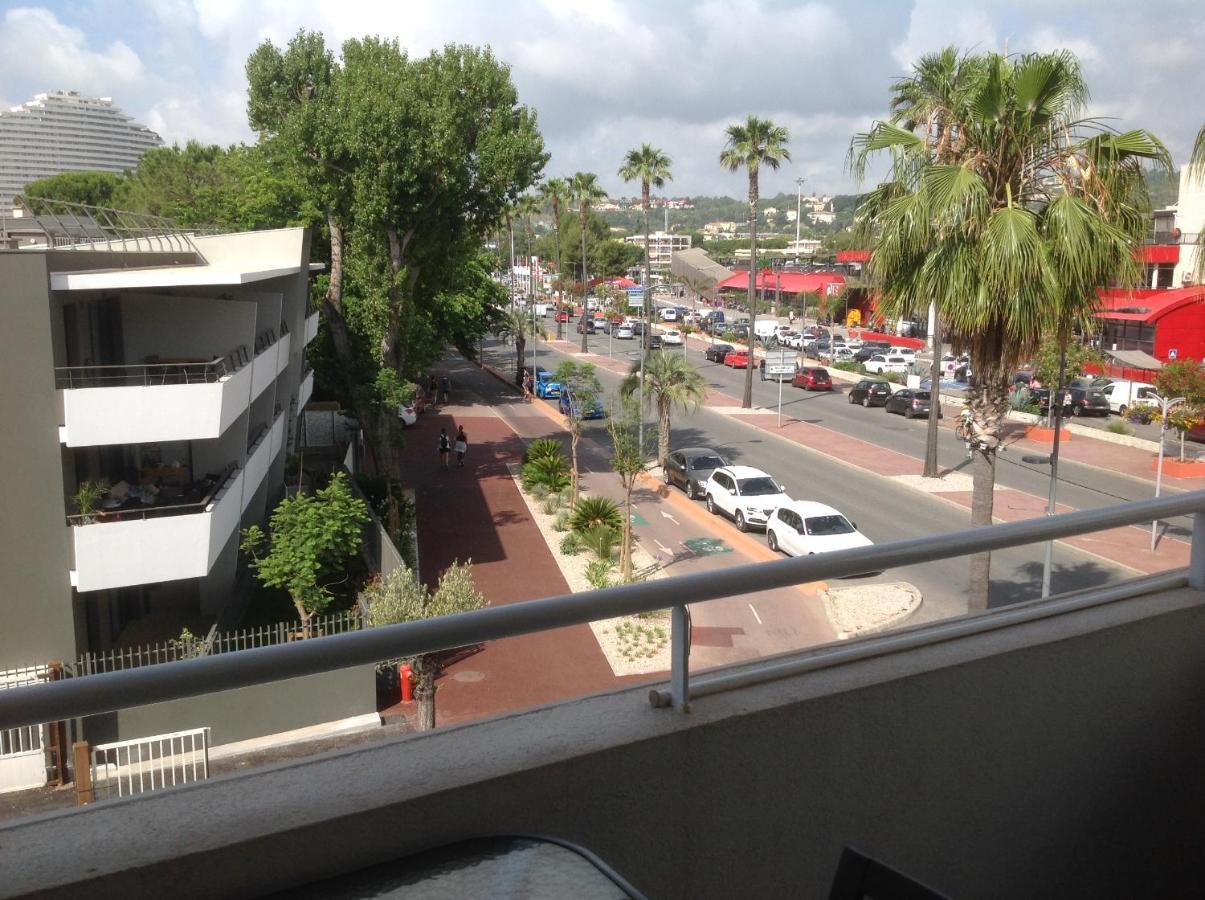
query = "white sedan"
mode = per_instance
[
  {"x": 623, "y": 333},
  {"x": 671, "y": 336},
  {"x": 803, "y": 527},
  {"x": 669, "y": 314}
]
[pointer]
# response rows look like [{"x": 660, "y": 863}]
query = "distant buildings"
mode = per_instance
[
  {"x": 662, "y": 246},
  {"x": 62, "y": 131}
]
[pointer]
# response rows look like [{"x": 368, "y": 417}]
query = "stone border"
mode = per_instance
[{"x": 871, "y": 608}]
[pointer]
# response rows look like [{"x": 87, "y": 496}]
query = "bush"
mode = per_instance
[
  {"x": 571, "y": 544},
  {"x": 1119, "y": 427},
  {"x": 1141, "y": 415},
  {"x": 561, "y": 522},
  {"x": 544, "y": 448},
  {"x": 552, "y": 503},
  {"x": 601, "y": 539},
  {"x": 849, "y": 365},
  {"x": 591, "y": 512},
  {"x": 893, "y": 377},
  {"x": 598, "y": 573},
  {"x": 551, "y": 471},
  {"x": 539, "y": 490}
]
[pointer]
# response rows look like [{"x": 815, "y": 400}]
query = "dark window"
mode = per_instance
[
  {"x": 758, "y": 487},
  {"x": 825, "y": 525},
  {"x": 706, "y": 462}
]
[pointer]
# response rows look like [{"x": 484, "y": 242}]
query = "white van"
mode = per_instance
[
  {"x": 1124, "y": 394},
  {"x": 766, "y": 328}
]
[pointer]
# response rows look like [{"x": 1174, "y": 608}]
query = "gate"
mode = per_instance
[{"x": 124, "y": 768}]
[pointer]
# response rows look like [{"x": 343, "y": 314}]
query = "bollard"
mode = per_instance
[
  {"x": 84, "y": 792},
  {"x": 403, "y": 672}
]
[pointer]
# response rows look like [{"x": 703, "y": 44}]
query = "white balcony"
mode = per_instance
[
  {"x": 306, "y": 389},
  {"x": 161, "y": 546},
  {"x": 263, "y": 451},
  {"x": 311, "y": 327},
  {"x": 268, "y": 364}
]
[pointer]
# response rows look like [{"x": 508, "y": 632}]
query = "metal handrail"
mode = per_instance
[
  {"x": 154, "y": 512},
  {"x": 72, "y": 698},
  {"x": 144, "y": 374}
]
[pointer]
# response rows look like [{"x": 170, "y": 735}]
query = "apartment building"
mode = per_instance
[
  {"x": 662, "y": 247},
  {"x": 63, "y": 131},
  {"x": 173, "y": 368}
]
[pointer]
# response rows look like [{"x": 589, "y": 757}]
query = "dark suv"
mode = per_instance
[
  {"x": 1090, "y": 402},
  {"x": 870, "y": 392}
]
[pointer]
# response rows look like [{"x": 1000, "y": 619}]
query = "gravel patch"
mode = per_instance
[
  {"x": 947, "y": 483},
  {"x": 631, "y": 644},
  {"x": 867, "y": 608}
]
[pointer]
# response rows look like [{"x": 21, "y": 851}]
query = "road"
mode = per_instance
[{"x": 883, "y": 510}]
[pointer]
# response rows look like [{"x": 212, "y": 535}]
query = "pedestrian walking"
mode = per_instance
[
  {"x": 462, "y": 446},
  {"x": 445, "y": 447},
  {"x": 527, "y": 385},
  {"x": 433, "y": 389},
  {"x": 444, "y": 386}
]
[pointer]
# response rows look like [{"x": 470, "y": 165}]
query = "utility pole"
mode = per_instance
[{"x": 798, "y": 213}]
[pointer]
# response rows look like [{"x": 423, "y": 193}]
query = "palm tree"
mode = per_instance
[
  {"x": 525, "y": 207},
  {"x": 670, "y": 380},
  {"x": 1197, "y": 162},
  {"x": 586, "y": 191},
  {"x": 649, "y": 166},
  {"x": 555, "y": 191},
  {"x": 516, "y": 323},
  {"x": 1034, "y": 211},
  {"x": 756, "y": 143}
]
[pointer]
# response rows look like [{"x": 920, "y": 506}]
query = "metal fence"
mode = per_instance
[
  {"x": 78, "y": 226},
  {"x": 123, "y": 768}
]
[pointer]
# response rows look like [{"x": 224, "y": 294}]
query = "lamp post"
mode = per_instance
[
  {"x": 798, "y": 214},
  {"x": 1056, "y": 412},
  {"x": 1165, "y": 405}
]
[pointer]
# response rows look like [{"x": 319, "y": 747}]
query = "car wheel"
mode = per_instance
[
  {"x": 866, "y": 401},
  {"x": 907, "y": 413},
  {"x": 1076, "y": 411},
  {"x": 665, "y": 476},
  {"x": 1122, "y": 410},
  {"x": 741, "y": 524},
  {"x": 691, "y": 491},
  {"x": 771, "y": 541},
  {"x": 711, "y": 507},
  {"x": 851, "y": 398}
]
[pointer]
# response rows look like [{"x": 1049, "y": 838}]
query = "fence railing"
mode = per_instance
[
  {"x": 101, "y": 516},
  {"x": 131, "y": 767},
  {"x": 136, "y": 687},
  {"x": 79, "y": 226},
  {"x": 24, "y": 675}
]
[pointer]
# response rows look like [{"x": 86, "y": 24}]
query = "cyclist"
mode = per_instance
[{"x": 965, "y": 429}]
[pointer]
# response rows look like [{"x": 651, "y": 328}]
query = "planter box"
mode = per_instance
[
  {"x": 1045, "y": 435},
  {"x": 1173, "y": 468}
]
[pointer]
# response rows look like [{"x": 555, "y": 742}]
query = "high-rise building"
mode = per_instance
[{"x": 64, "y": 132}]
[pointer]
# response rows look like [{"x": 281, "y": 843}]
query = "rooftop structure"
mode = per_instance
[
  {"x": 63, "y": 131},
  {"x": 662, "y": 247}
]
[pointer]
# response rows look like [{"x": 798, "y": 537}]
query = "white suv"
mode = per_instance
[
  {"x": 880, "y": 364},
  {"x": 746, "y": 495}
]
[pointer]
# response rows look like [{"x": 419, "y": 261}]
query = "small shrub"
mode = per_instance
[
  {"x": 550, "y": 471},
  {"x": 1119, "y": 427},
  {"x": 849, "y": 365},
  {"x": 552, "y": 503},
  {"x": 591, "y": 512},
  {"x": 598, "y": 573},
  {"x": 601, "y": 539},
  {"x": 1032, "y": 408},
  {"x": 894, "y": 377},
  {"x": 539, "y": 490},
  {"x": 544, "y": 448},
  {"x": 571, "y": 544},
  {"x": 561, "y": 522},
  {"x": 1141, "y": 415}
]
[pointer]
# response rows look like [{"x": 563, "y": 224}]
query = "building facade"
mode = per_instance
[
  {"x": 63, "y": 131},
  {"x": 173, "y": 377},
  {"x": 662, "y": 247}
]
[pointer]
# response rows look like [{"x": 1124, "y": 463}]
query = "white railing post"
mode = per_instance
[
  {"x": 1196, "y": 559},
  {"x": 679, "y": 684}
]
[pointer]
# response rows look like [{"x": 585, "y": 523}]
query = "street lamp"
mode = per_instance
[
  {"x": 798, "y": 214},
  {"x": 1053, "y": 461},
  {"x": 1165, "y": 405}
]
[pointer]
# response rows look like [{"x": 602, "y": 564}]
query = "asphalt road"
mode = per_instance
[{"x": 883, "y": 510}]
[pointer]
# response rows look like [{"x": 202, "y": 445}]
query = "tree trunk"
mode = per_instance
[
  {"x": 574, "y": 436},
  {"x": 520, "y": 359},
  {"x": 663, "y": 412},
  {"x": 304, "y": 614},
  {"x": 934, "y": 404},
  {"x": 424, "y": 693},
  {"x": 334, "y": 298},
  {"x": 979, "y": 586},
  {"x": 747, "y": 399},
  {"x": 625, "y": 554},
  {"x": 989, "y": 408},
  {"x": 585, "y": 291}
]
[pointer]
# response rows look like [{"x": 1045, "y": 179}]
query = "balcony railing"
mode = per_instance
[
  {"x": 153, "y": 510},
  {"x": 152, "y": 372},
  {"x": 118, "y": 690}
]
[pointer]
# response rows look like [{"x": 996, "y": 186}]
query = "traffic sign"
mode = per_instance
[
  {"x": 780, "y": 369},
  {"x": 1173, "y": 353}
]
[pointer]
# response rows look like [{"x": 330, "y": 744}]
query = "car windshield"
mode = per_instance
[
  {"x": 757, "y": 487},
  {"x": 1095, "y": 395},
  {"x": 706, "y": 462},
  {"x": 922, "y": 395},
  {"x": 820, "y": 373},
  {"x": 825, "y": 525}
]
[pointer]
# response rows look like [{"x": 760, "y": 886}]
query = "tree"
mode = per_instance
[
  {"x": 312, "y": 537},
  {"x": 1182, "y": 378},
  {"x": 516, "y": 324},
  {"x": 399, "y": 597},
  {"x": 627, "y": 462},
  {"x": 1013, "y": 237},
  {"x": 669, "y": 380},
  {"x": 650, "y": 166},
  {"x": 555, "y": 191},
  {"x": 581, "y": 381},
  {"x": 1197, "y": 175},
  {"x": 1075, "y": 355},
  {"x": 89, "y": 188},
  {"x": 586, "y": 190},
  {"x": 756, "y": 143}
]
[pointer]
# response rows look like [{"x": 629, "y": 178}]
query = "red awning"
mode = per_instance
[
  {"x": 1148, "y": 306},
  {"x": 1160, "y": 253},
  {"x": 853, "y": 256},
  {"x": 787, "y": 282}
]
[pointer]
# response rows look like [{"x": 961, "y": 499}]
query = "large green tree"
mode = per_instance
[
  {"x": 90, "y": 188},
  {"x": 1036, "y": 210},
  {"x": 751, "y": 145}
]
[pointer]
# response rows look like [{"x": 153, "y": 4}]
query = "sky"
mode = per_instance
[{"x": 605, "y": 75}]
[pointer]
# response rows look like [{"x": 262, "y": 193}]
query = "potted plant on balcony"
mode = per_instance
[{"x": 87, "y": 498}]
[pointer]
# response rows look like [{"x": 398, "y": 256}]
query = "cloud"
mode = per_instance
[
  {"x": 933, "y": 25},
  {"x": 34, "y": 41},
  {"x": 1047, "y": 40}
]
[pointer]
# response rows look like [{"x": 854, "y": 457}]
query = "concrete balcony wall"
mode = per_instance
[
  {"x": 304, "y": 392},
  {"x": 261, "y": 457},
  {"x": 163, "y": 548},
  {"x": 311, "y": 327},
  {"x": 1055, "y": 758}
]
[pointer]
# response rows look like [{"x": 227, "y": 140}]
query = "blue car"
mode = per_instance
[
  {"x": 596, "y": 412},
  {"x": 546, "y": 386}
]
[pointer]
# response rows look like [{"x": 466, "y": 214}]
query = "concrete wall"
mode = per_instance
[
  {"x": 184, "y": 327},
  {"x": 1052, "y": 759},
  {"x": 36, "y": 618}
]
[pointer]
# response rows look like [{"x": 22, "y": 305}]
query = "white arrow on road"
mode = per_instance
[
  {"x": 671, "y": 518},
  {"x": 664, "y": 549}
]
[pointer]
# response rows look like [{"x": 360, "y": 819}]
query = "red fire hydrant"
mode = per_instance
[{"x": 403, "y": 672}]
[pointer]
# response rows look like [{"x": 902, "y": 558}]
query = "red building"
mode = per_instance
[
  {"x": 790, "y": 283},
  {"x": 1166, "y": 325}
]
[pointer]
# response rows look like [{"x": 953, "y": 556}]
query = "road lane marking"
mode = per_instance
[
  {"x": 671, "y": 518},
  {"x": 755, "y": 615},
  {"x": 664, "y": 549}
]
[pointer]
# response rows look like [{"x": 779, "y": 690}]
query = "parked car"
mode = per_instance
[
  {"x": 803, "y": 527},
  {"x": 1124, "y": 394},
  {"x": 737, "y": 359},
  {"x": 746, "y": 495},
  {"x": 907, "y": 352},
  {"x": 546, "y": 386},
  {"x": 690, "y": 468},
  {"x": 717, "y": 352},
  {"x": 562, "y": 316},
  {"x": 671, "y": 337},
  {"x": 1089, "y": 402},
  {"x": 815, "y": 347},
  {"x": 568, "y": 402},
  {"x": 865, "y": 352},
  {"x": 1041, "y": 396},
  {"x": 870, "y": 392},
  {"x": 586, "y": 324},
  {"x": 791, "y": 339},
  {"x": 813, "y": 378},
  {"x": 669, "y": 314},
  {"x": 909, "y": 403},
  {"x": 653, "y": 341},
  {"x": 408, "y": 414},
  {"x": 880, "y": 364},
  {"x": 623, "y": 333}
]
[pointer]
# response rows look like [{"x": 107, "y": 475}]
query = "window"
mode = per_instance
[
  {"x": 758, "y": 487},
  {"x": 706, "y": 462},
  {"x": 826, "y": 525}
]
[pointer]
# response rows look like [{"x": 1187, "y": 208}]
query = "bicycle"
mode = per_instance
[{"x": 964, "y": 430}]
